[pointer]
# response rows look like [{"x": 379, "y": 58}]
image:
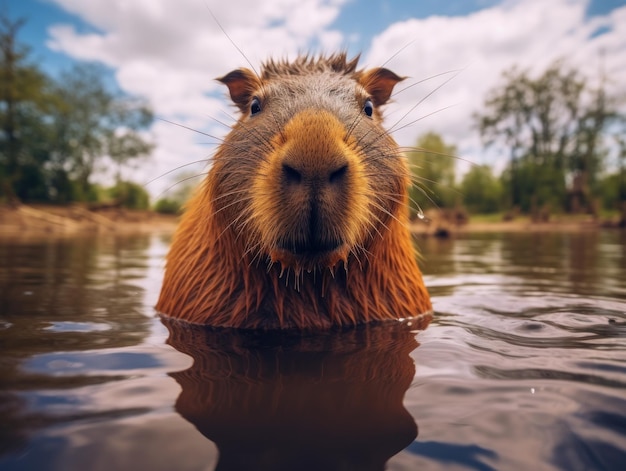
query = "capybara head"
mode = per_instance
[
  {"x": 302, "y": 220},
  {"x": 321, "y": 174}
]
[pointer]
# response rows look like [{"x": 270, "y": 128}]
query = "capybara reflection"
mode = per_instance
[
  {"x": 302, "y": 220},
  {"x": 283, "y": 401}
]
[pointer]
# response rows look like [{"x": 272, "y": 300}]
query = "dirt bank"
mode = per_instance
[
  {"x": 27, "y": 220},
  {"x": 436, "y": 225}
]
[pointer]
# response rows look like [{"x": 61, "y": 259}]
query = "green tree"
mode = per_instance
[
  {"x": 130, "y": 195},
  {"x": 432, "y": 164},
  {"x": 55, "y": 133},
  {"x": 552, "y": 128},
  {"x": 91, "y": 123},
  {"x": 482, "y": 191},
  {"x": 613, "y": 185},
  {"x": 611, "y": 190},
  {"x": 24, "y": 101},
  {"x": 168, "y": 206}
]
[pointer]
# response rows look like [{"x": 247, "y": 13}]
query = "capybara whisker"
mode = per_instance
[
  {"x": 179, "y": 167},
  {"x": 382, "y": 209},
  {"x": 191, "y": 129},
  {"x": 422, "y": 100},
  {"x": 239, "y": 191},
  {"x": 221, "y": 208},
  {"x": 419, "y": 82},
  {"x": 179, "y": 182},
  {"x": 234, "y": 222},
  {"x": 378, "y": 226},
  {"x": 428, "y": 115}
]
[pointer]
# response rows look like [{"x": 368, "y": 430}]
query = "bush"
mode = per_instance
[
  {"x": 167, "y": 206},
  {"x": 130, "y": 195},
  {"x": 613, "y": 191},
  {"x": 482, "y": 191}
]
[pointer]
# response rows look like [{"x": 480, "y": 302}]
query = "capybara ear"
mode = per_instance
[
  {"x": 241, "y": 84},
  {"x": 379, "y": 84}
]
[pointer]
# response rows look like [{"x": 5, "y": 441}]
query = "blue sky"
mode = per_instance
[
  {"x": 169, "y": 52},
  {"x": 39, "y": 15}
]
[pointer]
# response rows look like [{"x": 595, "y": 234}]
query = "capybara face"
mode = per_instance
[{"x": 314, "y": 177}]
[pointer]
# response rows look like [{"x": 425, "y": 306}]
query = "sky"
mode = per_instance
[{"x": 453, "y": 52}]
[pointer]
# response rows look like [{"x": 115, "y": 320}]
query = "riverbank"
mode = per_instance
[
  {"x": 437, "y": 225},
  {"x": 43, "y": 220}
]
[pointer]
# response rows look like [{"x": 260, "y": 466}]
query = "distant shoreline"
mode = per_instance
[
  {"x": 521, "y": 224},
  {"x": 76, "y": 220}
]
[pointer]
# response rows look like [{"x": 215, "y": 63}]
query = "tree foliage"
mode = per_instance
[
  {"x": 167, "y": 206},
  {"x": 24, "y": 100},
  {"x": 55, "y": 133},
  {"x": 130, "y": 195},
  {"x": 481, "y": 190},
  {"x": 91, "y": 123},
  {"x": 613, "y": 185},
  {"x": 553, "y": 129},
  {"x": 432, "y": 164}
]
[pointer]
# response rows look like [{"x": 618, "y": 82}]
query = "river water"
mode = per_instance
[{"x": 522, "y": 368}]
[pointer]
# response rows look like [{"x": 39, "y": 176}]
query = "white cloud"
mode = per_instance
[
  {"x": 530, "y": 34},
  {"x": 170, "y": 52}
]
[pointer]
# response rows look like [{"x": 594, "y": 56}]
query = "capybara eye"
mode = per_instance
[
  {"x": 255, "y": 106},
  {"x": 368, "y": 107}
]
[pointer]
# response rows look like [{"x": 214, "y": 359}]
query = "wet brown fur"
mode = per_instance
[{"x": 237, "y": 259}]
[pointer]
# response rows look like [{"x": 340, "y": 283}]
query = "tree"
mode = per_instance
[
  {"x": 620, "y": 141},
  {"x": 167, "y": 206},
  {"x": 552, "y": 128},
  {"x": 432, "y": 165},
  {"x": 613, "y": 185},
  {"x": 130, "y": 195},
  {"x": 54, "y": 133},
  {"x": 91, "y": 123},
  {"x": 481, "y": 190},
  {"x": 24, "y": 100}
]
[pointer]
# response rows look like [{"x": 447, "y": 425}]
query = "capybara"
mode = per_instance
[{"x": 302, "y": 220}]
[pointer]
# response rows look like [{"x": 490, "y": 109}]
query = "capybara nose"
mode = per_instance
[
  {"x": 314, "y": 156},
  {"x": 319, "y": 177},
  {"x": 319, "y": 197}
]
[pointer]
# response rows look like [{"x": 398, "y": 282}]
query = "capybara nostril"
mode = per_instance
[
  {"x": 320, "y": 177},
  {"x": 338, "y": 175},
  {"x": 291, "y": 175}
]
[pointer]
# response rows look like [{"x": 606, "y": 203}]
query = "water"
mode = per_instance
[{"x": 524, "y": 367}]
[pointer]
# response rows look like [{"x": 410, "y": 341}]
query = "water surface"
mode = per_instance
[{"x": 523, "y": 367}]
